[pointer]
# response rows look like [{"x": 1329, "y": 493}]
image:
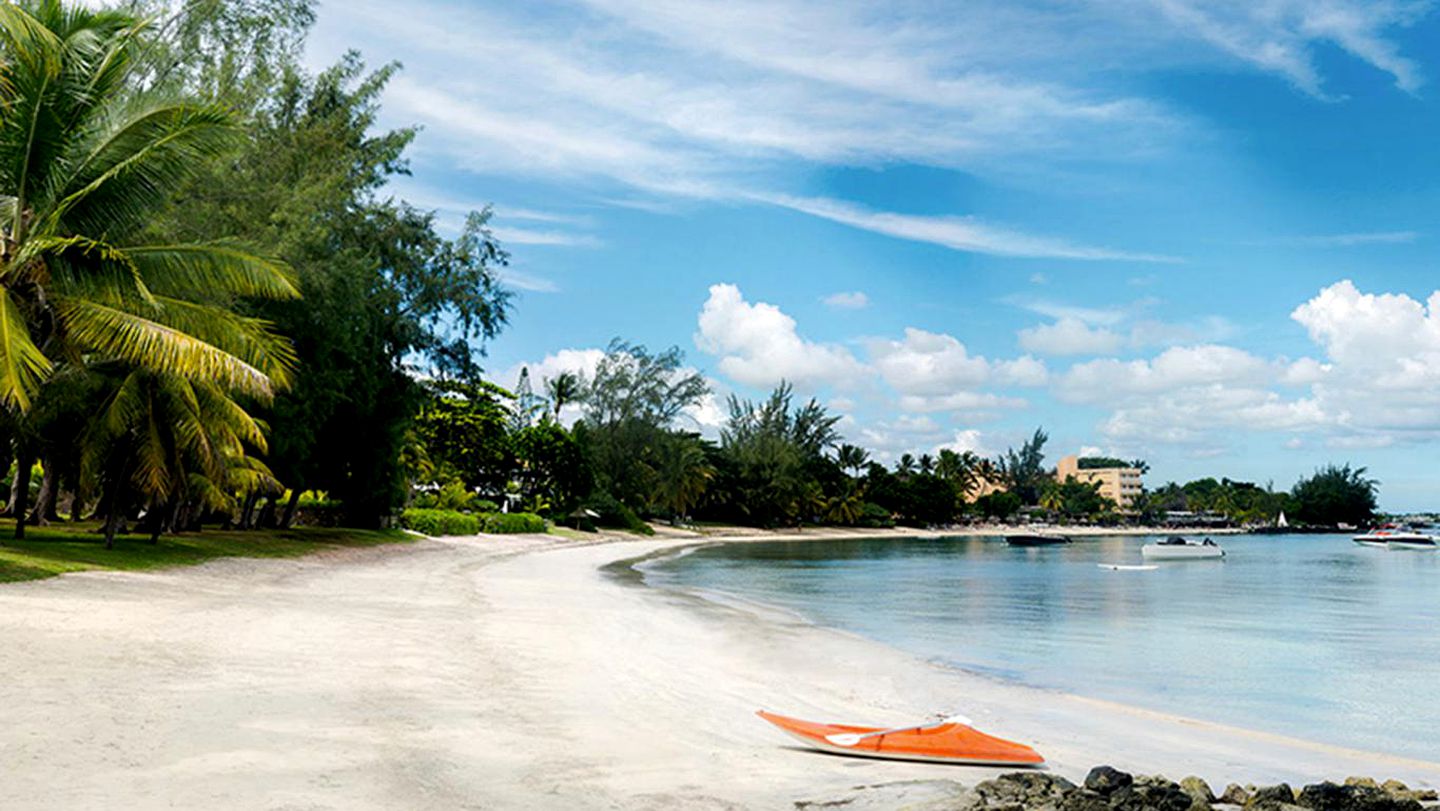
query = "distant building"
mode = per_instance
[{"x": 1121, "y": 485}]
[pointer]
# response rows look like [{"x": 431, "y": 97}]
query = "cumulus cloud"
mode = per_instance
[
  {"x": 1070, "y": 336},
  {"x": 935, "y": 372},
  {"x": 759, "y": 345}
]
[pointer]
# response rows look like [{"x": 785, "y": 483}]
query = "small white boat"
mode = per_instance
[
  {"x": 1401, "y": 535},
  {"x": 1177, "y": 548}
]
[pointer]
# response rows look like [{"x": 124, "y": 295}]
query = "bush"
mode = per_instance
[
  {"x": 873, "y": 516},
  {"x": 440, "y": 522},
  {"x": 511, "y": 523},
  {"x": 615, "y": 515}
]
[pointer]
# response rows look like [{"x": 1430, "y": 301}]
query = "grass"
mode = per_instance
[{"x": 60, "y": 548}]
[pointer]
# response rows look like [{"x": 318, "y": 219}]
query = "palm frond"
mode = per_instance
[
  {"x": 23, "y": 367},
  {"x": 157, "y": 347},
  {"x": 188, "y": 270}
]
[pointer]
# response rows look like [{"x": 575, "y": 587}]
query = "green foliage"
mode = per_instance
[
  {"x": 682, "y": 474},
  {"x": 465, "y": 429},
  {"x": 1074, "y": 499},
  {"x": 440, "y": 522},
  {"x": 453, "y": 495},
  {"x": 551, "y": 465},
  {"x": 1023, "y": 471},
  {"x": 1106, "y": 462},
  {"x": 873, "y": 516},
  {"x": 1335, "y": 495},
  {"x": 777, "y": 453},
  {"x": 1001, "y": 505},
  {"x": 613, "y": 514},
  {"x": 512, "y": 523}
]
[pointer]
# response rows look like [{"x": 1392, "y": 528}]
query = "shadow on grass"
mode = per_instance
[{"x": 60, "y": 548}]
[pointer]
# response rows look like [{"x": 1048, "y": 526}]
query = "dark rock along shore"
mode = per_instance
[{"x": 1108, "y": 789}]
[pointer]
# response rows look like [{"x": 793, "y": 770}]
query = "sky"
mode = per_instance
[{"x": 1200, "y": 232}]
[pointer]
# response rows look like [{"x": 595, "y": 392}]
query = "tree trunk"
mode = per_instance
[
  {"x": 265, "y": 518},
  {"x": 45, "y": 501},
  {"x": 77, "y": 505},
  {"x": 156, "y": 516},
  {"x": 21, "y": 491},
  {"x": 247, "y": 513},
  {"x": 288, "y": 517}
]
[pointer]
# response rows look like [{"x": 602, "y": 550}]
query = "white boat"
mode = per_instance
[
  {"x": 1177, "y": 548},
  {"x": 1399, "y": 534},
  {"x": 1422, "y": 544}
]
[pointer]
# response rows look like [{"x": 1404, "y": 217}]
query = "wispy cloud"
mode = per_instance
[
  {"x": 959, "y": 233},
  {"x": 1342, "y": 240},
  {"x": 522, "y": 280},
  {"x": 533, "y": 236}
]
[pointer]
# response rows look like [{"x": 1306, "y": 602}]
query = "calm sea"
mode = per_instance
[{"x": 1311, "y": 636}]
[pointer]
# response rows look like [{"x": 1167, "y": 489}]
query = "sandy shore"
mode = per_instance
[{"x": 500, "y": 673}]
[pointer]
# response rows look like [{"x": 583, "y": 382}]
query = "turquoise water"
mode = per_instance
[{"x": 1311, "y": 636}]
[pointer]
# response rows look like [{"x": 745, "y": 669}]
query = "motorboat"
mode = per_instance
[
  {"x": 1423, "y": 543},
  {"x": 1036, "y": 539},
  {"x": 1177, "y": 548},
  {"x": 947, "y": 740},
  {"x": 1402, "y": 535}
]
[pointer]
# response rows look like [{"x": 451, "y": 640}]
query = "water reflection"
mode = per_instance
[{"x": 1305, "y": 635}]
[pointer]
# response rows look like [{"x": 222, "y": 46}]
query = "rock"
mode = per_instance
[
  {"x": 1270, "y": 796},
  {"x": 1426, "y": 795},
  {"x": 1355, "y": 796},
  {"x": 1106, "y": 779},
  {"x": 1367, "y": 782},
  {"x": 1083, "y": 799},
  {"x": 1024, "y": 790},
  {"x": 1150, "y": 795},
  {"x": 1395, "y": 787},
  {"x": 1197, "y": 788},
  {"x": 1235, "y": 794}
]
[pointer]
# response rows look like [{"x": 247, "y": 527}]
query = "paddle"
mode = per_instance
[{"x": 852, "y": 738}]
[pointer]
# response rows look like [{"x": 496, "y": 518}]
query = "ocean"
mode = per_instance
[{"x": 1305, "y": 635}]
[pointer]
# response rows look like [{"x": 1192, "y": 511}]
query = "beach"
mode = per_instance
[{"x": 506, "y": 672}]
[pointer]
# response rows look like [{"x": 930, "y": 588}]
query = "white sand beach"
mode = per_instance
[{"x": 502, "y": 673}]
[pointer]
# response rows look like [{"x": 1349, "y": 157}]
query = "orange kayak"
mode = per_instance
[{"x": 937, "y": 743}]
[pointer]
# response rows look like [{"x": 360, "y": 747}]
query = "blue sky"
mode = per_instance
[{"x": 1198, "y": 231}]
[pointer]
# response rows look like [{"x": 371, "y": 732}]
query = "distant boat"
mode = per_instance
[
  {"x": 1121, "y": 567},
  {"x": 1035, "y": 539},
  {"x": 1281, "y": 522},
  {"x": 1177, "y": 548},
  {"x": 1402, "y": 535}
]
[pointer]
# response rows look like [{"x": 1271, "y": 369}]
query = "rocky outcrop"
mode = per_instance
[{"x": 1109, "y": 789}]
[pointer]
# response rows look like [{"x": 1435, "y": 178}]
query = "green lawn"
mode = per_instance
[{"x": 65, "y": 547}]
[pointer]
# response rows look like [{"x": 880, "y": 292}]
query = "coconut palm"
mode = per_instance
[
  {"x": 682, "y": 475},
  {"x": 851, "y": 458},
  {"x": 906, "y": 465},
  {"x": 172, "y": 443},
  {"x": 84, "y": 164},
  {"x": 562, "y": 389}
]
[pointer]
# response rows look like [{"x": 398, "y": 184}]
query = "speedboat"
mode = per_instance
[
  {"x": 1036, "y": 539},
  {"x": 1424, "y": 542},
  {"x": 1177, "y": 548},
  {"x": 948, "y": 740},
  {"x": 1400, "y": 534}
]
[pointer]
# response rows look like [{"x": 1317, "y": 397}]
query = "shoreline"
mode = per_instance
[
  {"x": 508, "y": 672},
  {"x": 760, "y": 612}
]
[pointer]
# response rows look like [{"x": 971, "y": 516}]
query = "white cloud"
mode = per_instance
[
  {"x": 1070, "y": 336},
  {"x": 853, "y": 300},
  {"x": 537, "y": 236},
  {"x": 1345, "y": 240},
  {"x": 958, "y": 233},
  {"x": 1281, "y": 36},
  {"x": 758, "y": 344}
]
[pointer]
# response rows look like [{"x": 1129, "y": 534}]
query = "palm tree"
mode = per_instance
[
  {"x": 851, "y": 458},
  {"x": 927, "y": 463},
  {"x": 562, "y": 389},
  {"x": 173, "y": 442},
  {"x": 84, "y": 165},
  {"x": 1052, "y": 497},
  {"x": 906, "y": 465},
  {"x": 682, "y": 475}
]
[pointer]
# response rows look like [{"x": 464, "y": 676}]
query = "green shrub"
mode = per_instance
[
  {"x": 873, "y": 516},
  {"x": 440, "y": 522},
  {"x": 615, "y": 515},
  {"x": 512, "y": 523}
]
